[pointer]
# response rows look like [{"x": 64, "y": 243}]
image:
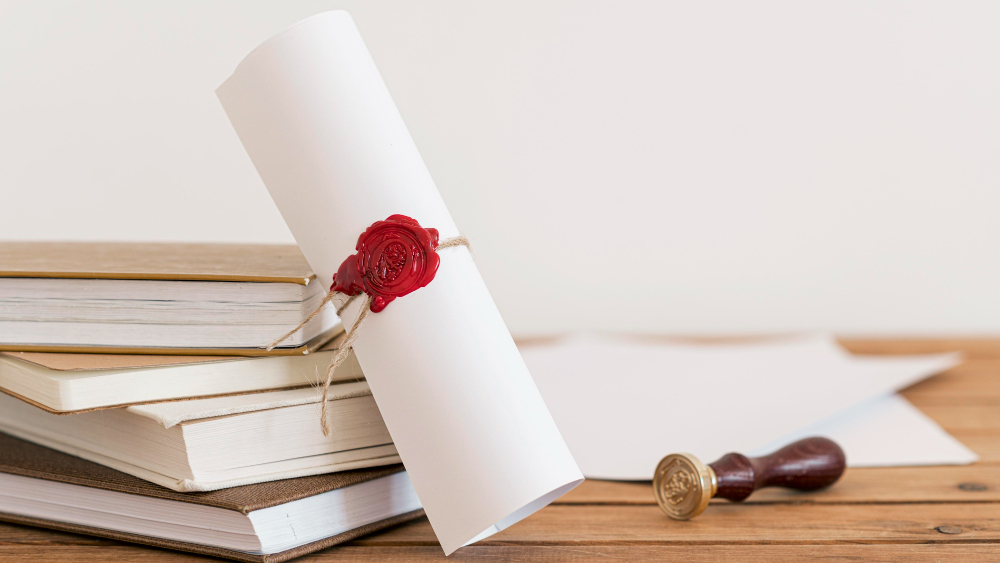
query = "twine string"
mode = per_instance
[
  {"x": 340, "y": 355},
  {"x": 344, "y": 350},
  {"x": 460, "y": 240},
  {"x": 326, "y": 299}
]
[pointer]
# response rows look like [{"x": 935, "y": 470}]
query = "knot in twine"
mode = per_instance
[{"x": 345, "y": 347}]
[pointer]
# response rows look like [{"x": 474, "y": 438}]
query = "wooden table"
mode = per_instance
[{"x": 891, "y": 514}]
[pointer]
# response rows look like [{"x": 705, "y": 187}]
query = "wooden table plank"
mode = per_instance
[
  {"x": 973, "y": 348},
  {"x": 117, "y": 553},
  {"x": 972, "y": 380},
  {"x": 17, "y": 534},
  {"x": 920, "y": 553},
  {"x": 986, "y": 443},
  {"x": 891, "y": 485},
  {"x": 964, "y": 417},
  {"x": 696, "y": 554},
  {"x": 732, "y": 523}
]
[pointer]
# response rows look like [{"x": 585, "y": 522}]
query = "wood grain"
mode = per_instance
[
  {"x": 986, "y": 443},
  {"x": 732, "y": 523},
  {"x": 970, "y": 382},
  {"x": 696, "y": 554},
  {"x": 972, "y": 348},
  {"x": 921, "y": 553},
  {"x": 892, "y": 485},
  {"x": 975, "y": 418},
  {"x": 889, "y": 514}
]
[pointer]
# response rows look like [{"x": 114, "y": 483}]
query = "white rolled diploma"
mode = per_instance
[{"x": 322, "y": 130}]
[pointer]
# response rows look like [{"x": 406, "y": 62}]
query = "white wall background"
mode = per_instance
[{"x": 684, "y": 167}]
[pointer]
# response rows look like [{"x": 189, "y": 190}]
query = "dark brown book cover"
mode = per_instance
[{"x": 19, "y": 457}]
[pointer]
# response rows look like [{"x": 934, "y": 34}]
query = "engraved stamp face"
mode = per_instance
[{"x": 679, "y": 488}]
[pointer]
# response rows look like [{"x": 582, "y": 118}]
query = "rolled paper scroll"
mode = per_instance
[{"x": 320, "y": 126}]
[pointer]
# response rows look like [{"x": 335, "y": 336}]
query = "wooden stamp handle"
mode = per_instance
[{"x": 806, "y": 465}]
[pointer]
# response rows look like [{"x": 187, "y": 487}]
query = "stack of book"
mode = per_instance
[{"x": 141, "y": 402}]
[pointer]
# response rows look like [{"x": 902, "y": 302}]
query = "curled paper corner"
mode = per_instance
[{"x": 518, "y": 515}]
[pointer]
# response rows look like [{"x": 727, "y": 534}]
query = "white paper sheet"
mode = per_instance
[
  {"x": 883, "y": 432},
  {"x": 622, "y": 404},
  {"x": 323, "y": 132}
]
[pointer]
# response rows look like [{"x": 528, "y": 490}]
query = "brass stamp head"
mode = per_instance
[{"x": 683, "y": 485}]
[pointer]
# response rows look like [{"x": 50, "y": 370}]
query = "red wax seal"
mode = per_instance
[{"x": 395, "y": 257}]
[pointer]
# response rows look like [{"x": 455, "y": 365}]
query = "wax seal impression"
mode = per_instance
[
  {"x": 683, "y": 485},
  {"x": 395, "y": 257}
]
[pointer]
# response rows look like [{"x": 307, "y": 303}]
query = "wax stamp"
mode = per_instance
[{"x": 683, "y": 485}]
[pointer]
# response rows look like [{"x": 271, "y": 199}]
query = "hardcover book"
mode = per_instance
[
  {"x": 157, "y": 298},
  {"x": 263, "y": 523},
  {"x": 209, "y": 444}
]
